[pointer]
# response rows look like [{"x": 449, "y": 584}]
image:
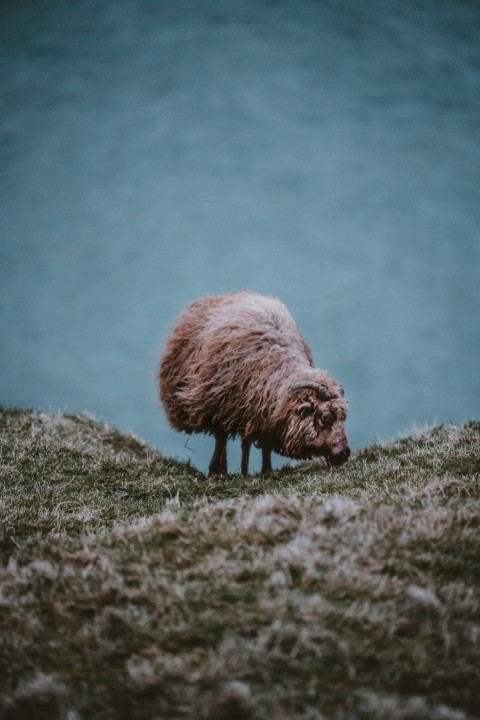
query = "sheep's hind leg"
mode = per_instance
[
  {"x": 246, "y": 445},
  {"x": 218, "y": 463},
  {"x": 266, "y": 461}
]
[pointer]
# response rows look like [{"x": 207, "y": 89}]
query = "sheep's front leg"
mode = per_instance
[
  {"x": 266, "y": 460},
  {"x": 246, "y": 445},
  {"x": 218, "y": 463}
]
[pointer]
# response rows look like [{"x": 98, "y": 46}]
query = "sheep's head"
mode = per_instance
[{"x": 313, "y": 423}]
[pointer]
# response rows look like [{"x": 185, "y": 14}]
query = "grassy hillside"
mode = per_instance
[{"x": 133, "y": 587}]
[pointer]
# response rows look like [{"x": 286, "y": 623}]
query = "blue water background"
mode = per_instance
[{"x": 327, "y": 152}]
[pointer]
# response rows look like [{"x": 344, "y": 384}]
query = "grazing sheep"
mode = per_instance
[{"x": 237, "y": 364}]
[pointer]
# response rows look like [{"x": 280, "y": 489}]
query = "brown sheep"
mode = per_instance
[{"x": 237, "y": 364}]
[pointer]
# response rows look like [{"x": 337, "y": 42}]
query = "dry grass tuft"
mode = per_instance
[{"x": 130, "y": 589}]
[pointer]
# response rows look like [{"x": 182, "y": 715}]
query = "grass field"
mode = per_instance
[{"x": 133, "y": 587}]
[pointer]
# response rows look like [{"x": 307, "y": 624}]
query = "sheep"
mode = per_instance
[{"x": 237, "y": 365}]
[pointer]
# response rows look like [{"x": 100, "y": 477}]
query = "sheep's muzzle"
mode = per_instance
[{"x": 338, "y": 458}]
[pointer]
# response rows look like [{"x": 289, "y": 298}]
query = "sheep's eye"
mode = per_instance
[{"x": 305, "y": 410}]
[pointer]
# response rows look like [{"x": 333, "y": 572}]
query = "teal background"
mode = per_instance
[{"x": 324, "y": 152}]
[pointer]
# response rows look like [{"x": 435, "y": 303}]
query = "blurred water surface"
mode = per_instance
[{"x": 327, "y": 152}]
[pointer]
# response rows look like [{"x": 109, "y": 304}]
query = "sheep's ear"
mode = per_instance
[
  {"x": 341, "y": 390},
  {"x": 305, "y": 409}
]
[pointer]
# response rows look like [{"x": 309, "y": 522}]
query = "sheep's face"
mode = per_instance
[{"x": 314, "y": 427}]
